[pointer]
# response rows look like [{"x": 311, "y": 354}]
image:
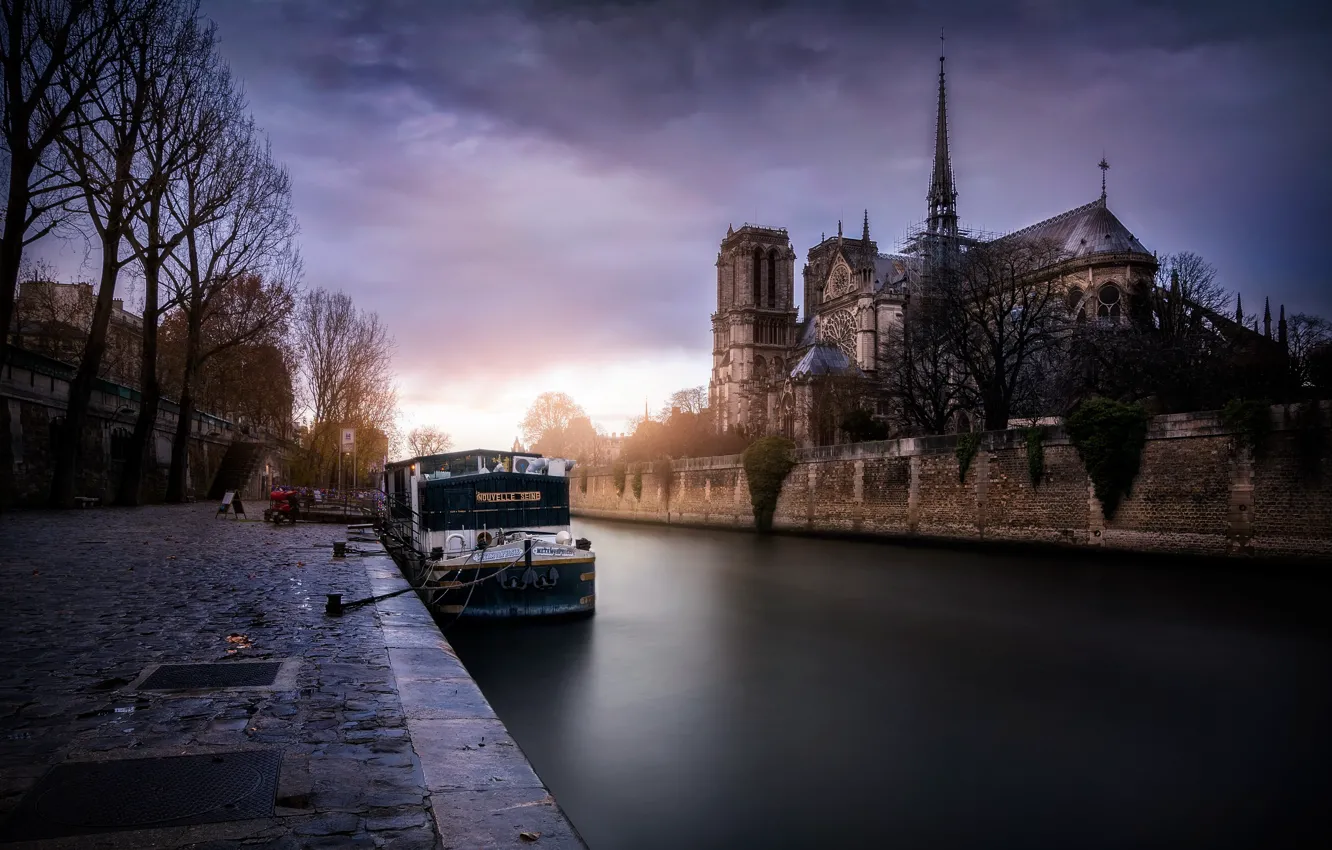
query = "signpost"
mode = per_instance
[{"x": 347, "y": 443}]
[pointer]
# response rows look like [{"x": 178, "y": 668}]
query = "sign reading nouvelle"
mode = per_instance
[{"x": 526, "y": 496}]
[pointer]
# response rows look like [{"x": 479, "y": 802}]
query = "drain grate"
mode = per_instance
[
  {"x": 171, "y": 677},
  {"x": 82, "y": 797}
]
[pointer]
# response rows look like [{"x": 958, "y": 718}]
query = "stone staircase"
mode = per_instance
[{"x": 238, "y": 466}]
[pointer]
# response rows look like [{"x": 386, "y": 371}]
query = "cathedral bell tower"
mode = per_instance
[{"x": 753, "y": 329}]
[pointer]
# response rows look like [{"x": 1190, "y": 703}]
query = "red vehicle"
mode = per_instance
[{"x": 283, "y": 505}]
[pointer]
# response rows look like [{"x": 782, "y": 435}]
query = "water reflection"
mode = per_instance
[{"x": 736, "y": 691}]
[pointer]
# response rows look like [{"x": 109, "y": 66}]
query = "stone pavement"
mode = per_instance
[{"x": 385, "y": 740}]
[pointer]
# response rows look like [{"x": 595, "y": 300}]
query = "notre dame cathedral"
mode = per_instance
[{"x": 767, "y": 356}]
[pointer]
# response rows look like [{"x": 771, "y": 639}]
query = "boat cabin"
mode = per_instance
[{"x": 446, "y": 501}]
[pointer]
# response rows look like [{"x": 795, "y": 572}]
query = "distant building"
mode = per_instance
[
  {"x": 609, "y": 447},
  {"x": 53, "y": 319},
  {"x": 767, "y": 356}
]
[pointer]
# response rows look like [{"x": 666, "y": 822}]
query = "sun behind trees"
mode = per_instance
[{"x": 555, "y": 425}]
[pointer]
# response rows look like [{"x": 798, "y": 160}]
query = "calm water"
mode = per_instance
[{"x": 736, "y": 691}]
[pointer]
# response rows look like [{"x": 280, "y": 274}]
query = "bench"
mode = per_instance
[{"x": 86, "y": 501}]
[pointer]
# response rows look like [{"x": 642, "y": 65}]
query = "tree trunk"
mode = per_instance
[
  {"x": 131, "y": 480},
  {"x": 180, "y": 443},
  {"x": 69, "y": 450},
  {"x": 11, "y": 255},
  {"x": 996, "y": 411}
]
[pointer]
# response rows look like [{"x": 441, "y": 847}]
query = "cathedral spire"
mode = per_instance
[
  {"x": 942, "y": 196},
  {"x": 1267, "y": 317},
  {"x": 1104, "y": 166},
  {"x": 1239, "y": 311},
  {"x": 864, "y": 234}
]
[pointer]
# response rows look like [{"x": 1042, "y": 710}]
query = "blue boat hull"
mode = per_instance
[{"x": 572, "y": 592}]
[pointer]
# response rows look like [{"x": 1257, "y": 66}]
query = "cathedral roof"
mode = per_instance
[
  {"x": 893, "y": 270},
  {"x": 824, "y": 359},
  {"x": 805, "y": 333},
  {"x": 1084, "y": 231}
]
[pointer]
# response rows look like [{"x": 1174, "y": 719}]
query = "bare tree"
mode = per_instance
[
  {"x": 687, "y": 400},
  {"x": 236, "y": 276},
  {"x": 346, "y": 375},
  {"x": 577, "y": 439},
  {"x": 53, "y": 54},
  {"x": 921, "y": 377},
  {"x": 1306, "y": 335},
  {"x": 192, "y": 105},
  {"x": 428, "y": 440},
  {"x": 99, "y": 151},
  {"x": 1196, "y": 281},
  {"x": 551, "y": 412},
  {"x": 1001, "y": 310}
]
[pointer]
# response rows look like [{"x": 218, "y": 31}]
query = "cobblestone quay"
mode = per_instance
[{"x": 382, "y": 738}]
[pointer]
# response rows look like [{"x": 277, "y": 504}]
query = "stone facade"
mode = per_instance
[
  {"x": 1197, "y": 491},
  {"x": 36, "y": 391},
  {"x": 753, "y": 330}
]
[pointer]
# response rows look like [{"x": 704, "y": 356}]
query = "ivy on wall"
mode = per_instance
[
  {"x": 618, "y": 472},
  {"x": 1035, "y": 456},
  {"x": 1109, "y": 436},
  {"x": 661, "y": 467},
  {"x": 1310, "y": 441},
  {"x": 1251, "y": 420},
  {"x": 967, "y": 446},
  {"x": 638, "y": 484},
  {"x": 767, "y": 462}
]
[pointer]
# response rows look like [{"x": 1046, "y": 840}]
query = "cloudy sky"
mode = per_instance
[{"x": 531, "y": 194}]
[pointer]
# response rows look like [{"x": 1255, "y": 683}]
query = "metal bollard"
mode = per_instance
[
  {"x": 334, "y": 606},
  {"x": 340, "y": 548}
]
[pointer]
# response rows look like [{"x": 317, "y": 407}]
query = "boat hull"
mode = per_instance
[
  {"x": 548, "y": 588},
  {"x": 507, "y": 582}
]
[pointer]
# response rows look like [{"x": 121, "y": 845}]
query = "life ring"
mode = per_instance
[
  {"x": 448, "y": 543},
  {"x": 483, "y": 539}
]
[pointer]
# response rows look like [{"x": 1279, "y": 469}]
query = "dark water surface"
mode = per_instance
[{"x": 736, "y": 691}]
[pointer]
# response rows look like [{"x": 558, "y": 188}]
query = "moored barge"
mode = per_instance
[{"x": 486, "y": 534}]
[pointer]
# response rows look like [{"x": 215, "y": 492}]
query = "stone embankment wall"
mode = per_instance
[
  {"x": 1198, "y": 491},
  {"x": 37, "y": 398}
]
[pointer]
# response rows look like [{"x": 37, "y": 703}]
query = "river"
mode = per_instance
[{"x": 739, "y": 691}]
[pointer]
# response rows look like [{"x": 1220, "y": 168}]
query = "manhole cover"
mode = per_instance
[
  {"x": 81, "y": 797},
  {"x": 171, "y": 677}
]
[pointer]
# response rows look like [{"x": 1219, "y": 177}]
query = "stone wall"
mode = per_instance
[
  {"x": 1198, "y": 491},
  {"x": 37, "y": 396}
]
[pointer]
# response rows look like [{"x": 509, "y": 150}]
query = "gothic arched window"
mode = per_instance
[
  {"x": 1109, "y": 296},
  {"x": 772, "y": 278},
  {"x": 755, "y": 274}
]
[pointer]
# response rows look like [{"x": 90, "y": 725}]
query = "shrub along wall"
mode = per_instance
[{"x": 1198, "y": 490}]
